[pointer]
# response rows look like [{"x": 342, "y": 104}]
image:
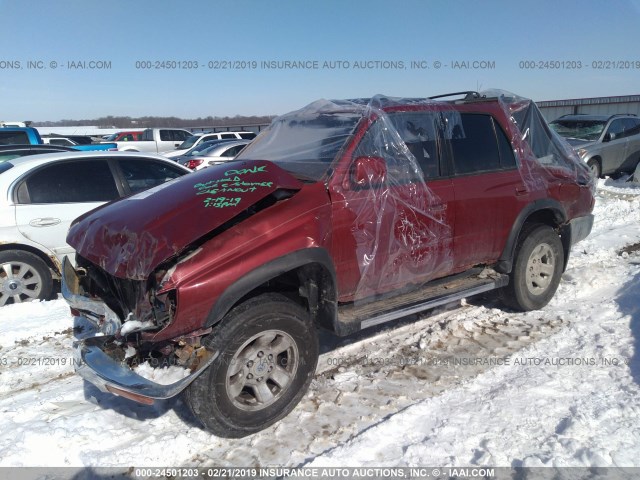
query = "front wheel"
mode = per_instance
[
  {"x": 268, "y": 352},
  {"x": 595, "y": 168},
  {"x": 537, "y": 269}
]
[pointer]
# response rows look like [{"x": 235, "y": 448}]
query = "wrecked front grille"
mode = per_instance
[{"x": 129, "y": 299}]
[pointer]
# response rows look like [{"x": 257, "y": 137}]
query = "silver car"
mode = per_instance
[
  {"x": 214, "y": 155},
  {"x": 607, "y": 143}
]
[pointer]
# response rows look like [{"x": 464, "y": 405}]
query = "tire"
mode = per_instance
[
  {"x": 268, "y": 355},
  {"x": 537, "y": 269},
  {"x": 23, "y": 277},
  {"x": 595, "y": 167}
]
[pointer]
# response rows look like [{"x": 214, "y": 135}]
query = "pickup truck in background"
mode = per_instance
[
  {"x": 125, "y": 136},
  {"x": 31, "y": 136},
  {"x": 20, "y": 135},
  {"x": 156, "y": 140}
]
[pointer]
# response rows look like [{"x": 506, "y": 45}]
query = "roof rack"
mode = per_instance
[
  {"x": 469, "y": 95},
  {"x": 622, "y": 115},
  {"x": 598, "y": 115}
]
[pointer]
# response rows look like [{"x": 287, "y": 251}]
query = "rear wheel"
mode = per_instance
[
  {"x": 268, "y": 352},
  {"x": 537, "y": 269},
  {"x": 23, "y": 277}
]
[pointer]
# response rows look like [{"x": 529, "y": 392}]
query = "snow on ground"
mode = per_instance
[{"x": 469, "y": 384}]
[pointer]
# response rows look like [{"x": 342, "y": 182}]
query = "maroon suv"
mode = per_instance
[{"x": 342, "y": 215}]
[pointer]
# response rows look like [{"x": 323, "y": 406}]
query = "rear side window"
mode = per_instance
[
  {"x": 181, "y": 135},
  {"x": 12, "y": 138},
  {"x": 141, "y": 175},
  {"x": 248, "y": 135},
  {"x": 474, "y": 145},
  {"x": 233, "y": 151},
  {"x": 166, "y": 135},
  {"x": 69, "y": 182},
  {"x": 631, "y": 127}
]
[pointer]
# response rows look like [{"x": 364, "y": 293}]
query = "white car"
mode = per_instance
[
  {"x": 40, "y": 195},
  {"x": 198, "y": 138},
  {"x": 213, "y": 155}
]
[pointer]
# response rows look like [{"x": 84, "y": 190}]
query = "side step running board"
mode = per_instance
[{"x": 353, "y": 318}]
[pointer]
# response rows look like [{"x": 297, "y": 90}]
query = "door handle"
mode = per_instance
[
  {"x": 44, "y": 222},
  {"x": 521, "y": 190}
]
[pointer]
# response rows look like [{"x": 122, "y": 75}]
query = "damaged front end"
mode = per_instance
[
  {"x": 129, "y": 255},
  {"x": 123, "y": 311}
]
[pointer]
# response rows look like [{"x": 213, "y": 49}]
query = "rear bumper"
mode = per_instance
[
  {"x": 580, "y": 228},
  {"x": 94, "y": 364}
]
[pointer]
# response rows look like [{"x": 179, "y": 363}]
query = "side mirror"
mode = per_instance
[
  {"x": 608, "y": 137},
  {"x": 369, "y": 172}
]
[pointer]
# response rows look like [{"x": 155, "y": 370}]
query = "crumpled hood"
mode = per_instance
[{"x": 129, "y": 238}]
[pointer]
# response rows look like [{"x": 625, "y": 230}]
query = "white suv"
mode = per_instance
[
  {"x": 198, "y": 138},
  {"x": 40, "y": 195}
]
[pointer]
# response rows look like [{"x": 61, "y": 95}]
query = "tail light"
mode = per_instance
[{"x": 192, "y": 164}]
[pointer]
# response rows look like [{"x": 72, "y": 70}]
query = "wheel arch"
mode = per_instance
[
  {"x": 48, "y": 258},
  {"x": 307, "y": 276},
  {"x": 544, "y": 211}
]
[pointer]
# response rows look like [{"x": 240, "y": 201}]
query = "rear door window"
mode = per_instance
[
  {"x": 180, "y": 135},
  {"x": 232, "y": 152},
  {"x": 474, "y": 146},
  {"x": 166, "y": 135},
  {"x": 142, "y": 174}
]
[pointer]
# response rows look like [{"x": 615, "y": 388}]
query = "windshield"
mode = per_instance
[
  {"x": 5, "y": 164},
  {"x": 588, "y": 130},
  {"x": 306, "y": 142},
  {"x": 189, "y": 142},
  {"x": 111, "y": 137}
]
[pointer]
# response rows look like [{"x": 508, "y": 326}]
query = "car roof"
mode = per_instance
[
  {"x": 587, "y": 118},
  {"x": 594, "y": 118},
  {"x": 226, "y": 145},
  {"x": 220, "y": 133},
  {"x": 27, "y": 162}
]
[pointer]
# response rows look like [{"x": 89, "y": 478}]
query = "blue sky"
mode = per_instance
[{"x": 123, "y": 32}]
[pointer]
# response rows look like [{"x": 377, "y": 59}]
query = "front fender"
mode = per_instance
[{"x": 268, "y": 271}]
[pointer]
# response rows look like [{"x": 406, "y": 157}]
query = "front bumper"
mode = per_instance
[
  {"x": 110, "y": 375},
  {"x": 109, "y": 372}
]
